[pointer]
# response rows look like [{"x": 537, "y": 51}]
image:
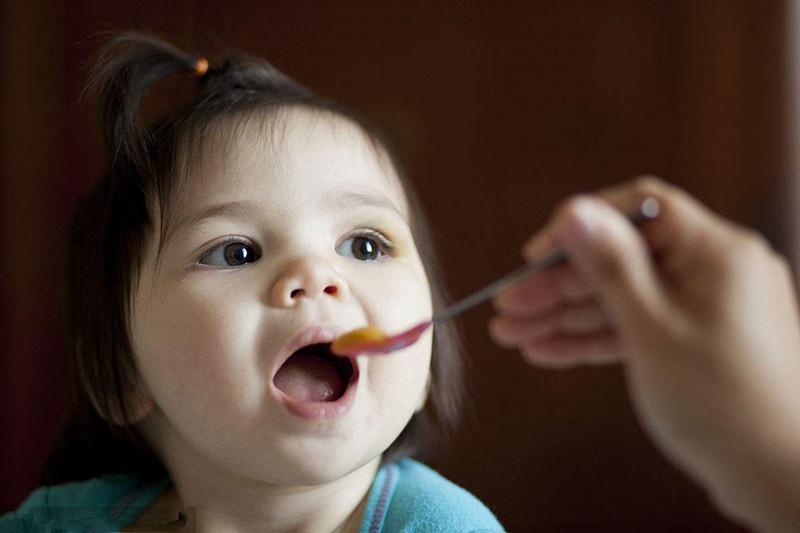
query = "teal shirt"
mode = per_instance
[{"x": 405, "y": 496}]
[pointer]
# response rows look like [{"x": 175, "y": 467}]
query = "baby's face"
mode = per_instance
[{"x": 290, "y": 235}]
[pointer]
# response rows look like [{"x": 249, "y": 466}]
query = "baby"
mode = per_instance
[{"x": 229, "y": 244}]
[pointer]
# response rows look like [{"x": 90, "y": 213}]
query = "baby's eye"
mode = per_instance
[
  {"x": 229, "y": 254},
  {"x": 366, "y": 246}
]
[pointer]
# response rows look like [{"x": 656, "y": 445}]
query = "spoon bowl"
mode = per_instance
[{"x": 374, "y": 341}]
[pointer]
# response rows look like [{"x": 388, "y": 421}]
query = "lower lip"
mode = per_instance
[{"x": 322, "y": 410}]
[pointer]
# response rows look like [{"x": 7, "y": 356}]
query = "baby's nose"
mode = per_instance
[{"x": 308, "y": 277}]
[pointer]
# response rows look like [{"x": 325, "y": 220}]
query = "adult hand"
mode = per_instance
[{"x": 704, "y": 315}]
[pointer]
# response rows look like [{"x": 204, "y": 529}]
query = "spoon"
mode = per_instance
[{"x": 371, "y": 340}]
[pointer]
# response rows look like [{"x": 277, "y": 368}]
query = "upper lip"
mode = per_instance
[{"x": 320, "y": 334}]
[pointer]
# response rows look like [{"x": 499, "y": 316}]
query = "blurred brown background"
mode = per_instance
[{"x": 502, "y": 109}]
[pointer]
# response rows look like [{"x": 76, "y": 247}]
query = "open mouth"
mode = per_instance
[{"x": 314, "y": 374}]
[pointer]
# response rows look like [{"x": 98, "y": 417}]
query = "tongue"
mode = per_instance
[{"x": 309, "y": 378}]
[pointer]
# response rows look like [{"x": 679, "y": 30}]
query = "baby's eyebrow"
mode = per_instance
[
  {"x": 336, "y": 201},
  {"x": 243, "y": 208},
  {"x": 346, "y": 200}
]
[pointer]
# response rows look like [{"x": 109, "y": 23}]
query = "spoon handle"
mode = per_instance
[{"x": 648, "y": 209}]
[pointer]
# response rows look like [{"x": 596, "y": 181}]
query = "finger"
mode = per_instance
[
  {"x": 570, "y": 351},
  {"x": 543, "y": 292},
  {"x": 682, "y": 222},
  {"x": 511, "y": 330},
  {"x": 629, "y": 196},
  {"x": 608, "y": 251},
  {"x": 684, "y": 230},
  {"x": 685, "y": 237},
  {"x": 539, "y": 244},
  {"x": 583, "y": 319}
]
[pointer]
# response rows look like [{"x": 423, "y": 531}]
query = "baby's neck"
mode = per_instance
[
  {"x": 337, "y": 507},
  {"x": 225, "y": 502}
]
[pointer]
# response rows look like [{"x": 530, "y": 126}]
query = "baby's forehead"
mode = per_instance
[{"x": 291, "y": 143}]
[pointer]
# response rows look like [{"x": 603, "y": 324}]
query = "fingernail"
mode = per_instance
[{"x": 584, "y": 225}]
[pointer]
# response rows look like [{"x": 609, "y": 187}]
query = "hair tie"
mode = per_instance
[{"x": 201, "y": 67}]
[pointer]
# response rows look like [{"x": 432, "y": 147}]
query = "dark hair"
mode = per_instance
[{"x": 148, "y": 168}]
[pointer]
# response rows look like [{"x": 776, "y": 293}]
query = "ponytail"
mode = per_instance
[{"x": 126, "y": 69}]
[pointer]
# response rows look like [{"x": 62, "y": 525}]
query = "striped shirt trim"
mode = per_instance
[{"x": 379, "y": 516}]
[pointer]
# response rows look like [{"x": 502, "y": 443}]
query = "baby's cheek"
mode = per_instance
[
  {"x": 193, "y": 363},
  {"x": 402, "y": 379}
]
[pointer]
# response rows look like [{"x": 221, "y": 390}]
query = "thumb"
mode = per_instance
[{"x": 612, "y": 256}]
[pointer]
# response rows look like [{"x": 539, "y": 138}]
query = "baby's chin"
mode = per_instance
[{"x": 319, "y": 471}]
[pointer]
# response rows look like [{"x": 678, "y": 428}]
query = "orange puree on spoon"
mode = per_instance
[{"x": 373, "y": 341}]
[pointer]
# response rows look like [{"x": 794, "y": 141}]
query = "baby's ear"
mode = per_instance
[{"x": 423, "y": 397}]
